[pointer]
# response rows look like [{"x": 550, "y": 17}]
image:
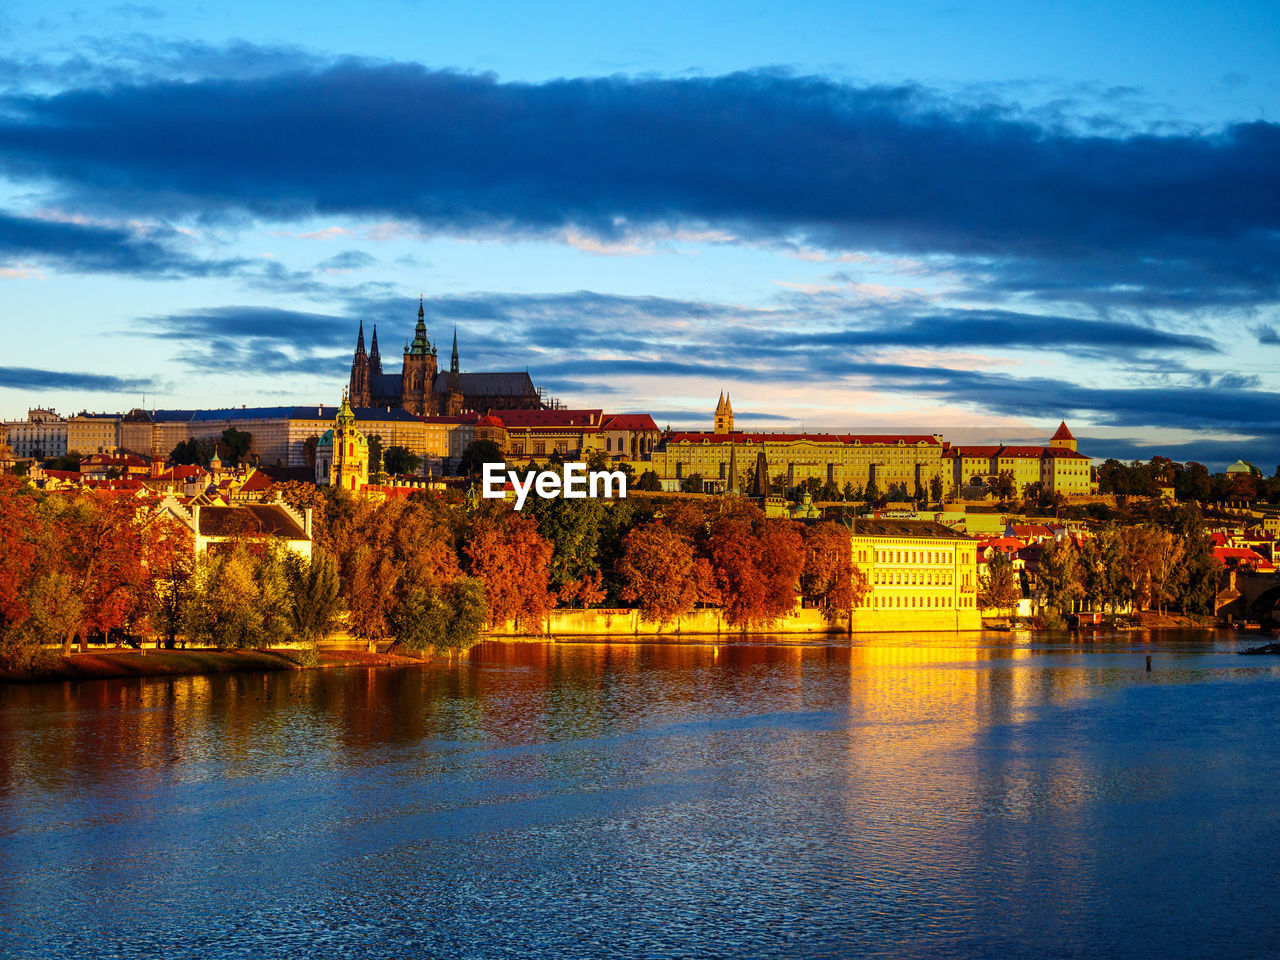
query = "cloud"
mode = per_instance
[
  {"x": 1023, "y": 202},
  {"x": 74, "y": 244},
  {"x": 347, "y": 261},
  {"x": 28, "y": 378}
]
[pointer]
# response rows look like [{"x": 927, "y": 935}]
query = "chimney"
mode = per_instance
[
  {"x": 306, "y": 522},
  {"x": 195, "y": 517}
]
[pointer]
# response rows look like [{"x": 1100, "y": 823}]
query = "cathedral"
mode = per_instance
[{"x": 423, "y": 390}]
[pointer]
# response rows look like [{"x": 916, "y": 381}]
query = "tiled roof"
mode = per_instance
[
  {"x": 629, "y": 421},
  {"x": 1062, "y": 432},
  {"x": 860, "y": 439},
  {"x": 929, "y": 529},
  {"x": 252, "y": 519},
  {"x": 497, "y": 384},
  {"x": 578, "y": 419},
  {"x": 985, "y": 453}
]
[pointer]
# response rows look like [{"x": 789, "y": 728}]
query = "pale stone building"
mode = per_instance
[
  {"x": 1059, "y": 467},
  {"x": 43, "y": 435}
]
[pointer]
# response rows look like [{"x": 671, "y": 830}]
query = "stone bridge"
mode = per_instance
[{"x": 1250, "y": 596}]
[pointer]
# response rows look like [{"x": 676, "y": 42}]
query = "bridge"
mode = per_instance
[{"x": 1250, "y": 596}]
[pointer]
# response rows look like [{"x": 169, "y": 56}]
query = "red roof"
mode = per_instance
[
  {"x": 1063, "y": 433},
  {"x": 865, "y": 440},
  {"x": 629, "y": 421},
  {"x": 1242, "y": 555},
  {"x": 985, "y": 453},
  {"x": 1032, "y": 452},
  {"x": 256, "y": 483},
  {"x": 489, "y": 421},
  {"x": 580, "y": 419}
]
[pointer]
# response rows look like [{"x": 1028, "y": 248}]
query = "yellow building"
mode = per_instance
[
  {"x": 891, "y": 460},
  {"x": 93, "y": 433},
  {"x": 921, "y": 575},
  {"x": 537, "y": 434},
  {"x": 342, "y": 454},
  {"x": 1058, "y": 468}
]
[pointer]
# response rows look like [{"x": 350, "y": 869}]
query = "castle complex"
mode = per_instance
[{"x": 420, "y": 388}]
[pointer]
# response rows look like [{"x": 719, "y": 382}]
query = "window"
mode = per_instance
[
  {"x": 562, "y": 447},
  {"x": 608, "y": 444},
  {"x": 539, "y": 449}
]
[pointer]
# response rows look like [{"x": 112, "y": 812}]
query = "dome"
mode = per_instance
[{"x": 326, "y": 440}]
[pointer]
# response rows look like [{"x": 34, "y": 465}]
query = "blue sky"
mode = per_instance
[{"x": 973, "y": 219}]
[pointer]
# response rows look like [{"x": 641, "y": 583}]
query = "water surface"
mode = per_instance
[{"x": 900, "y": 796}]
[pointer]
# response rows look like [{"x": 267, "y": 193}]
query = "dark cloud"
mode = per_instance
[
  {"x": 1266, "y": 334},
  {"x": 97, "y": 249},
  {"x": 998, "y": 328},
  {"x": 1262, "y": 449},
  {"x": 27, "y": 378},
  {"x": 1189, "y": 216}
]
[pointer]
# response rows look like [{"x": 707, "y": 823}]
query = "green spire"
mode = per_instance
[
  {"x": 421, "y": 345},
  {"x": 346, "y": 416}
]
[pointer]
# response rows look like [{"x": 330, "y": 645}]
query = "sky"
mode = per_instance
[{"x": 974, "y": 220}]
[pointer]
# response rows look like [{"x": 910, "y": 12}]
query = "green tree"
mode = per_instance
[
  {"x": 648, "y": 481},
  {"x": 315, "y": 595},
  {"x": 871, "y": 493},
  {"x": 935, "y": 489},
  {"x": 234, "y": 445},
  {"x": 375, "y": 453},
  {"x": 477, "y": 454},
  {"x": 1197, "y": 577},
  {"x": 400, "y": 461},
  {"x": 999, "y": 587},
  {"x": 691, "y": 483},
  {"x": 1060, "y": 575}
]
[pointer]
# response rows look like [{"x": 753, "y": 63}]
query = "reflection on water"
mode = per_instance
[{"x": 896, "y": 797}]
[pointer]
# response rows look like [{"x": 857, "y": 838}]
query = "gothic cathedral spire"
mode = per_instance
[
  {"x": 375, "y": 358},
  {"x": 453, "y": 361}
]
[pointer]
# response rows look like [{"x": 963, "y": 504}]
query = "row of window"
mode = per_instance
[
  {"x": 540, "y": 448},
  {"x": 932, "y": 603},
  {"x": 920, "y": 578},
  {"x": 913, "y": 556}
]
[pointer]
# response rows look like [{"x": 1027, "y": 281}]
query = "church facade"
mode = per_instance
[{"x": 419, "y": 387}]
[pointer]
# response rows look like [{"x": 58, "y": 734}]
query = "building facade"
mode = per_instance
[
  {"x": 1059, "y": 467},
  {"x": 537, "y": 434},
  {"x": 921, "y": 575},
  {"x": 43, "y": 435},
  {"x": 94, "y": 433}
]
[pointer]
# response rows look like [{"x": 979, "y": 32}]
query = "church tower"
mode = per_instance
[
  {"x": 724, "y": 415},
  {"x": 417, "y": 378},
  {"x": 358, "y": 388},
  {"x": 453, "y": 361},
  {"x": 342, "y": 454}
]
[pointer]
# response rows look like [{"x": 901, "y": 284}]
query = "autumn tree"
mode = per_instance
[
  {"x": 657, "y": 572},
  {"x": 506, "y": 553},
  {"x": 314, "y": 594},
  {"x": 1060, "y": 575},
  {"x": 829, "y": 576}
]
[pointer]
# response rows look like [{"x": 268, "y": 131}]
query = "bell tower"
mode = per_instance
[{"x": 418, "y": 376}]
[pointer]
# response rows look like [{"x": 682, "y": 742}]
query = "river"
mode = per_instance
[{"x": 899, "y": 796}]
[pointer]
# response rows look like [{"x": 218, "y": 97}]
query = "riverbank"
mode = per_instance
[{"x": 120, "y": 664}]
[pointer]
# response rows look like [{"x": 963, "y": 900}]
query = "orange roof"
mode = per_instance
[
  {"x": 489, "y": 421},
  {"x": 579, "y": 419},
  {"x": 1063, "y": 433},
  {"x": 849, "y": 438}
]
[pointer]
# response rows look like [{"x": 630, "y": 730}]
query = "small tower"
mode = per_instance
[
  {"x": 453, "y": 361},
  {"x": 358, "y": 388},
  {"x": 1062, "y": 439},
  {"x": 342, "y": 454},
  {"x": 724, "y": 415},
  {"x": 375, "y": 358}
]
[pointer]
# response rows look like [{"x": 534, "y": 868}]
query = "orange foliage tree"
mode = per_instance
[
  {"x": 830, "y": 577},
  {"x": 658, "y": 572},
  {"x": 508, "y": 555}
]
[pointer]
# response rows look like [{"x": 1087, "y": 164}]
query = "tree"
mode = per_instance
[
  {"x": 657, "y": 572},
  {"x": 648, "y": 481},
  {"x": 508, "y": 555},
  {"x": 239, "y": 599},
  {"x": 315, "y": 595},
  {"x": 1002, "y": 485},
  {"x": 691, "y": 483},
  {"x": 850, "y": 492},
  {"x": 309, "y": 450},
  {"x": 400, "y": 461},
  {"x": 871, "y": 493},
  {"x": 757, "y": 567},
  {"x": 1197, "y": 577},
  {"x": 193, "y": 451},
  {"x": 375, "y": 453},
  {"x": 935, "y": 489},
  {"x": 829, "y": 576},
  {"x": 234, "y": 445},
  {"x": 573, "y": 528},
  {"x": 1060, "y": 575},
  {"x": 999, "y": 587},
  {"x": 477, "y": 454}
]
